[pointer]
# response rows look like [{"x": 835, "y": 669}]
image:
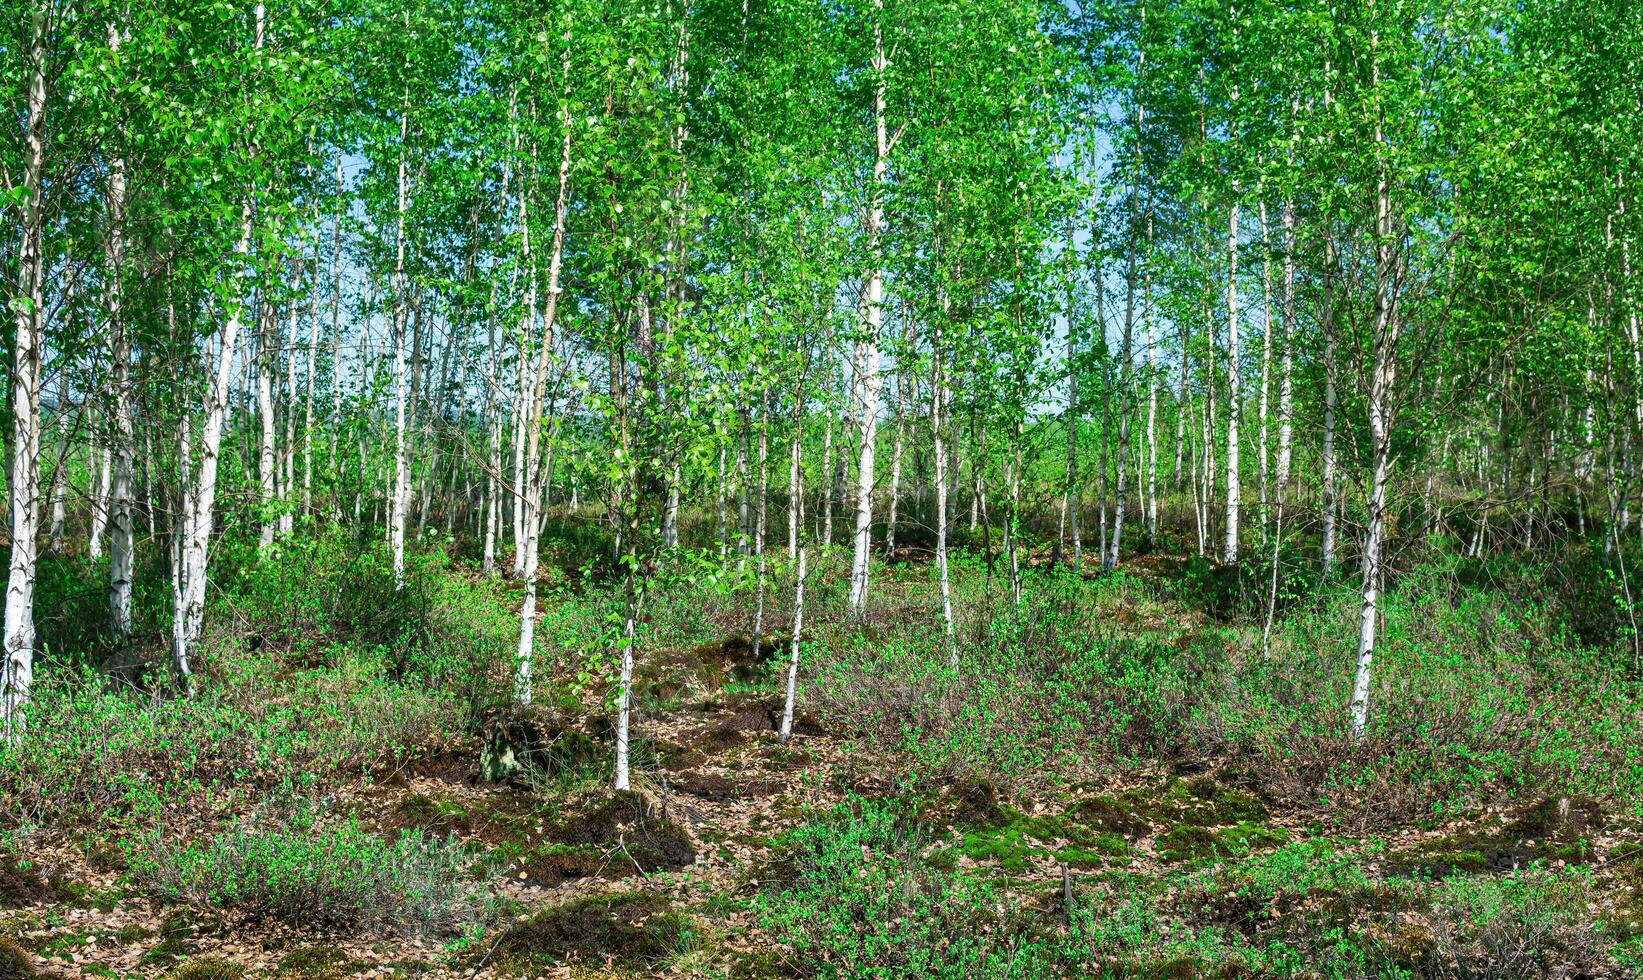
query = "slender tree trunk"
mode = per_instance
[
  {"x": 59, "y": 491},
  {"x": 336, "y": 348},
  {"x": 1263, "y": 407},
  {"x": 867, "y": 348},
  {"x": 903, "y": 378},
  {"x": 793, "y": 657},
  {"x": 267, "y": 448},
  {"x": 28, "y": 312},
  {"x": 828, "y": 495},
  {"x": 760, "y": 522},
  {"x": 1286, "y": 362},
  {"x": 1152, "y": 392},
  {"x": 199, "y": 478},
  {"x": 939, "y": 447},
  {"x": 1182, "y": 403},
  {"x": 1382, "y": 388},
  {"x": 624, "y": 702},
  {"x": 1328, "y": 463},
  {"x": 1125, "y": 356},
  {"x": 102, "y": 465},
  {"x": 402, "y": 460},
  {"x": 121, "y": 537},
  {"x": 1229, "y": 553},
  {"x": 536, "y": 402},
  {"x": 1012, "y": 529},
  {"x": 1071, "y": 490},
  {"x": 287, "y": 458},
  {"x": 719, "y": 503},
  {"x": 795, "y": 523},
  {"x": 311, "y": 355}
]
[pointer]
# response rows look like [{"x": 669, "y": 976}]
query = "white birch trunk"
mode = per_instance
[
  {"x": 267, "y": 479},
  {"x": 400, "y": 493},
  {"x": 867, "y": 349},
  {"x": 902, "y": 378},
  {"x": 760, "y": 525},
  {"x": 1328, "y": 463},
  {"x": 939, "y": 449},
  {"x": 1286, "y": 361},
  {"x": 199, "y": 477},
  {"x": 1229, "y": 553},
  {"x": 1382, "y": 388},
  {"x": 102, "y": 465},
  {"x": 793, "y": 657},
  {"x": 121, "y": 545},
  {"x": 28, "y": 311},
  {"x": 1263, "y": 404},
  {"x": 536, "y": 472}
]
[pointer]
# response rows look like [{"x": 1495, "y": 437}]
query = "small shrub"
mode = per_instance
[
  {"x": 295, "y": 868},
  {"x": 1528, "y": 924},
  {"x": 862, "y": 903}
]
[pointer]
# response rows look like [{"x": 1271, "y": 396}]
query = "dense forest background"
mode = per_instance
[{"x": 903, "y": 487}]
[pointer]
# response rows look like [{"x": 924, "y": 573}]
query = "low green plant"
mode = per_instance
[
  {"x": 291, "y": 864},
  {"x": 862, "y": 903}
]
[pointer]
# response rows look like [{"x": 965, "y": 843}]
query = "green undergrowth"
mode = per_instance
[
  {"x": 293, "y": 864},
  {"x": 1478, "y": 695},
  {"x": 313, "y": 668},
  {"x": 1184, "y": 819},
  {"x": 864, "y": 894}
]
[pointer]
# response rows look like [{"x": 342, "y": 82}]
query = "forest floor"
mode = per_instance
[{"x": 736, "y": 855}]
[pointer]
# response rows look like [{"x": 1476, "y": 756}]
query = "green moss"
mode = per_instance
[
  {"x": 1215, "y": 804},
  {"x": 207, "y": 968},
  {"x": 428, "y": 811},
  {"x": 63, "y": 945},
  {"x": 319, "y": 963},
  {"x": 1113, "y": 814},
  {"x": 550, "y": 863},
  {"x": 635, "y": 928},
  {"x": 1192, "y": 842},
  {"x": 1021, "y": 840}
]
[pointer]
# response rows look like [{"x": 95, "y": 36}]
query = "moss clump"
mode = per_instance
[
  {"x": 432, "y": 813},
  {"x": 1113, "y": 815},
  {"x": 634, "y": 928},
  {"x": 1215, "y": 804},
  {"x": 1192, "y": 842},
  {"x": 626, "y": 821},
  {"x": 15, "y": 963},
  {"x": 207, "y": 968},
  {"x": 1201, "y": 801},
  {"x": 85, "y": 897},
  {"x": 495, "y": 818},
  {"x": 552, "y": 863},
  {"x": 1550, "y": 830},
  {"x": 319, "y": 963},
  {"x": 1021, "y": 839}
]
